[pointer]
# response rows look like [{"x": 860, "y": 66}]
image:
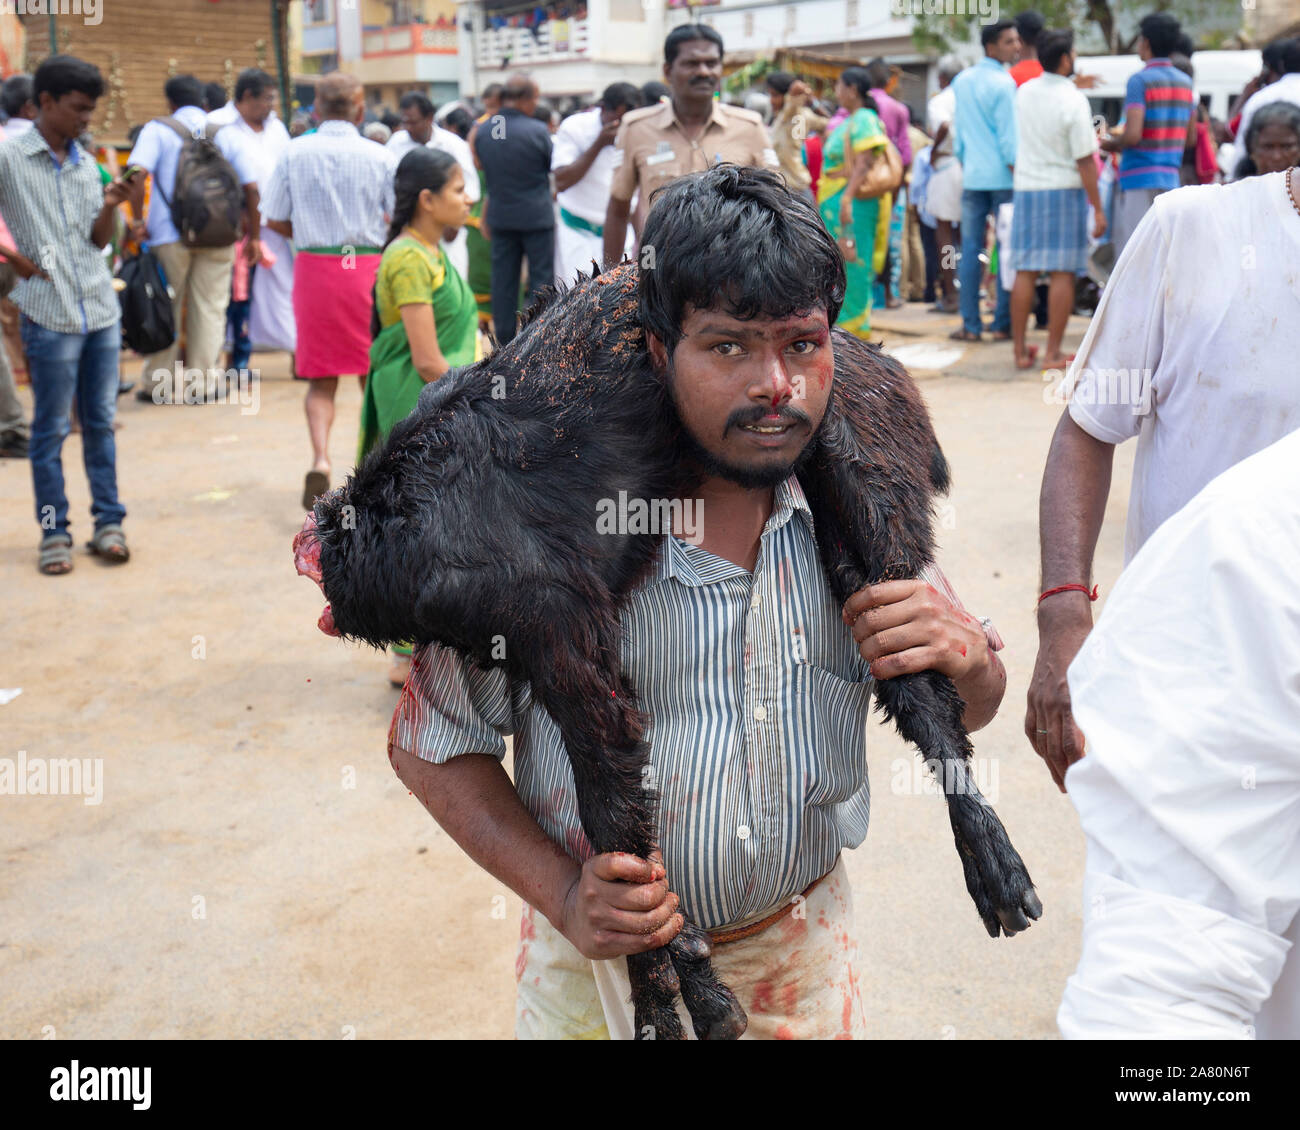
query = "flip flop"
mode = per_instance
[
  {"x": 55, "y": 555},
  {"x": 317, "y": 483},
  {"x": 964, "y": 335},
  {"x": 110, "y": 543}
]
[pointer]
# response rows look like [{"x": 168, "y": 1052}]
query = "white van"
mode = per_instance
[{"x": 1220, "y": 76}]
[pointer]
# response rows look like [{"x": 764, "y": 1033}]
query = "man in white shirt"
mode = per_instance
[
  {"x": 1188, "y": 691},
  {"x": 943, "y": 193},
  {"x": 332, "y": 194},
  {"x": 1192, "y": 350},
  {"x": 1285, "y": 89},
  {"x": 270, "y": 318},
  {"x": 198, "y": 276},
  {"x": 1055, "y": 180},
  {"x": 419, "y": 128},
  {"x": 582, "y": 161}
]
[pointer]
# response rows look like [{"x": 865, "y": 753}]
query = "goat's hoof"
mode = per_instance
[
  {"x": 1012, "y": 919},
  {"x": 729, "y": 1024}
]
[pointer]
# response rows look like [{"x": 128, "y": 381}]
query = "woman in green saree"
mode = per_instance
[
  {"x": 425, "y": 320},
  {"x": 847, "y": 154}
]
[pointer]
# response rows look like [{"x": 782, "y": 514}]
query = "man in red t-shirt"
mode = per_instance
[{"x": 1028, "y": 24}]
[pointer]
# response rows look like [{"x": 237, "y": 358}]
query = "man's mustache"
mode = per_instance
[{"x": 786, "y": 414}]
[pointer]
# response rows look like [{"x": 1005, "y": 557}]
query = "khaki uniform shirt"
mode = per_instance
[
  {"x": 788, "y": 141},
  {"x": 651, "y": 150}
]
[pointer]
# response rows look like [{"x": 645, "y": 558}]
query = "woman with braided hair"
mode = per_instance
[{"x": 424, "y": 321}]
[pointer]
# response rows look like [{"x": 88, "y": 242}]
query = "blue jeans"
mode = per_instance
[
  {"x": 63, "y": 366},
  {"x": 977, "y": 204}
]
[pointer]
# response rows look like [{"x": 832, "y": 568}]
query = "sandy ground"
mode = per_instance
[{"x": 254, "y": 869}]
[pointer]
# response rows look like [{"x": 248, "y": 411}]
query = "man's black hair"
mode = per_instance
[
  {"x": 414, "y": 100},
  {"x": 780, "y": 81},
  {"x": 685, "y": 33},
  {"x": 214, "y": 96},
  {"x": 492, "y": 90},
  {"x": 15, "y": 94},
  {"x": 1185, "y": 44},
  {"x": 1053, "y": 45},
  {"x": 391, "y": 120},
  {"x": 1030, "y": 25},
  {"x": 1160, "y": 30},
  {"x": 991, "y": 33},
  {"x": 619, "y": 94},
  {"x": 183, "y": 90},
  {"x": 63, "y": 74},
  {"x": 1289, "y": 58},
  {"x": 1271, "y": 56},
  {"x": 252, "y": 81},
  {"x": 652, "y": 92},
  {"x": 879, "y": 73},
  {"x": 460, "y": 121},
  {"x": 738, "y": 239}
]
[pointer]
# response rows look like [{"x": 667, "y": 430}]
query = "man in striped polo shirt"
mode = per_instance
[
  {"x": 1158, "y": 125},
  {"x": 756, "y": 687}
]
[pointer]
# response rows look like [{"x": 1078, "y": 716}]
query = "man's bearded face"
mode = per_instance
[{"x": 751, "y": 395}]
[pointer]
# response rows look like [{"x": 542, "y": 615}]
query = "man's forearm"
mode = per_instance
[
  {"x": 1076, "y": 482},
  {"x": 1087, "y": 167},
  {"x": 474, "y": 801},
  {"x": 615, "y": 231},
  {"x": 102, "y": 230}
]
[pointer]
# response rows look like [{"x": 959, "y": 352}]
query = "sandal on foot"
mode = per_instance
[
  {"x": 1000, "y": 335},
  {"x": 316, "y": 484},
  {"x": 964, "y": 335},
  {"x": 56, "y": 555},
  {"x": 110, "y": 543}
]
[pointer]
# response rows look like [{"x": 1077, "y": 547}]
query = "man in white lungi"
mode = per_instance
[
  {"x": 252, "y": 115},
  {"x": 1188, "y": 693},
  {"x": 419, "y": 128},
  {"x": 582, "y": 159},
  {"x": 943, "y": 197}
]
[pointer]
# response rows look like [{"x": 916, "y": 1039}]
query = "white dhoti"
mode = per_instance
[
  {"x": 270, "y": 312},
  {"x": 943, "y": 194},
  {"x": 797, "y": 980},
  {"x": 575, "y": 248}
]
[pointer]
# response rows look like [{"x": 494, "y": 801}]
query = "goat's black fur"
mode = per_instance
[{"x": 475, "y": 522}]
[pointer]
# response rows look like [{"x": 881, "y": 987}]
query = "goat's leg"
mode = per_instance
[
  {"x": 716, "y": 1014},
  {"x": 927, "y": 709}
]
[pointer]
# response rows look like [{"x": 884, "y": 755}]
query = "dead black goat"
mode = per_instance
[{"x": 476, "y": 522}]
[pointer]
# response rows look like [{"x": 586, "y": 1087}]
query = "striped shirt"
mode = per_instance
[
  {"x": 1165, "y": 96},
  {"x": 758, "y": 701},
  {"x": 334, "y": 186},
  {"x": 50, "y": 209}
]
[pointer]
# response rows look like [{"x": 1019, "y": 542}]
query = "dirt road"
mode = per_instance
[{"x": 254, "y": 869}]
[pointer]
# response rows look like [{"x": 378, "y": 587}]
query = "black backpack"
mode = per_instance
[
  {"x": 147, "y": 324},
  {"x": 207, "y": 198}
]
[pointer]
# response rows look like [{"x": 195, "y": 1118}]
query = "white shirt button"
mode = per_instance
[
  {"x": 743, "y": 832},
  {"x": 760, "y": 713},
  {"x": 756, "y": 601}
]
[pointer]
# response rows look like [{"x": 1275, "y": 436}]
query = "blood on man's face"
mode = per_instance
[{"x": 752, "y": 393}]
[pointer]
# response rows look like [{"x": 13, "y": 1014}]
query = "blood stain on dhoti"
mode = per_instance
[{"x": 527, "y": 935}]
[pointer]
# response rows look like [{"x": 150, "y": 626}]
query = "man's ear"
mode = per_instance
[{"x": 658, "y": 352}]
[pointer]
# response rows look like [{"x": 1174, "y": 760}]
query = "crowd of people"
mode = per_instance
[{"x": 397, "y": 260}]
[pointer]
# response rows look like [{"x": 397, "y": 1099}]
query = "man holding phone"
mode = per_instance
[{"x": 61, "y": 217}]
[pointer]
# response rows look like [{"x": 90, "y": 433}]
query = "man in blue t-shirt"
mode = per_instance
[{"x": 1158, "y": 124}]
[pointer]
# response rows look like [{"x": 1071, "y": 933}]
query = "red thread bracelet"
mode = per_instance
[{"x": 1070, "y": 588}]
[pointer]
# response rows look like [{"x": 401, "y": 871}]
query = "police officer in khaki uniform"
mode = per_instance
[{"x": 688, "y": 134}]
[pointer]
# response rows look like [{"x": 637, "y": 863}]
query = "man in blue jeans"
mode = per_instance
[
  {"x": 985, "y": 125},
  {"x": 61, "y": 216}
]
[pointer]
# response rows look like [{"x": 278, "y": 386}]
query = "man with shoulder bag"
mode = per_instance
[{"x": 205, "y": 196}]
